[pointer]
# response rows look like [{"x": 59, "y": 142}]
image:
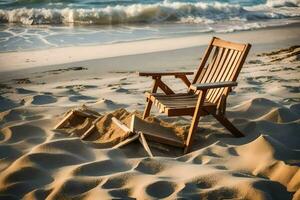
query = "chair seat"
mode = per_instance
[{"x": 179, "y": 104}]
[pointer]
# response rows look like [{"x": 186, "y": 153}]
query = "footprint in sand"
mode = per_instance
[
  {"x": 40, "y": 99},
  {"x": 120, "y": 90},
  {"x": 76, "y": 98},
  {"x": 77, "y": 186},
  {"x": 116, "y": 182},
  {"x": 149, "y": 166},
  {"x": 161, "y": 189},
  {"x": 122, "y": 193}
]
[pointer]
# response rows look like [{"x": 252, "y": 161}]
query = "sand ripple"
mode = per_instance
[
  {"x": 251, "y": 167},
  {"x": 37, "y": 163}
]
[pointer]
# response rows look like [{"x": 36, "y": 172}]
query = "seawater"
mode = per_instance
[{"x": 38, "y": 24}]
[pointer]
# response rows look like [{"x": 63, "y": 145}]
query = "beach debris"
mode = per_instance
[
  {"x": 291, "y": 54},
  {"x": 84, "y": 116},
  {"x": 61, "y": 70},
  {"x": 22, "y": 81},
  {"x": 120, "y": 127},
  {"x": 137, "y": 135}
]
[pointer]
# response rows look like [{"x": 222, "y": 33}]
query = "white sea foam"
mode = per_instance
[
  {"x": 147, "y": 13},
  {"x": 281, "y": 3},
  {"x": 135, "y": 22}
]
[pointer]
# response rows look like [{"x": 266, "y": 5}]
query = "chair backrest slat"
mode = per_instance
[
  {"x": 216, "y": 65},
  {"x": 219, "y": 68},
  {"x": 201, "y": 70},
  {"x": 222, "y": 61},
  {"x": 210, "y": 65},
  {"x": 230, "y": 57}
]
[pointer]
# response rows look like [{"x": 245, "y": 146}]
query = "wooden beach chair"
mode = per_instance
[{"x": 216, "y": 75}]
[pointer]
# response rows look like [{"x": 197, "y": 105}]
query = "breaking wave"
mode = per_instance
[
  {"x": 166, "y": 11},
  {"x": 283, "y": 3}
]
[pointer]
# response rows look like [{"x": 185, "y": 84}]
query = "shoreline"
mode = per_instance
[{"x": 15, "y": 61}]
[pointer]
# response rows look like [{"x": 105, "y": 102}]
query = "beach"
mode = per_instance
[
  {"x": 38, "y": 162},
  {"x": 59, "y": 58}
]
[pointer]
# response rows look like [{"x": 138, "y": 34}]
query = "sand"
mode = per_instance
[
  {"x": 55, "y": 56},
  {"x": 37, "y": 162}
]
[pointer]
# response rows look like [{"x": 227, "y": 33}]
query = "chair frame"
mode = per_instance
[{"x": 201, "y": 89}]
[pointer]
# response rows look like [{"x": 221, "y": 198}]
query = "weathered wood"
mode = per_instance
[
  {"x": 205, "y": 86},
  {"x": 221, "y": 106},
  {"x": 153, "y": 134},
  {"x": 85, "y": 114},
  {"x": 120, "y": 125},
  {"x": 220, "y": 74},
  {"x": 172, "y": 112},
  {"x": 220, "y": 66},
  {"x": 216, "y": 75},
  {"x": 164, "y": 140},
  {"x": 127, "y": 141},
  {"x": 145, "y": 144},
  {"x": 147, "y": 109},
  {"x": 241, "y": 61},
  {"x": 64, "y": 121},
  {"x": 167, "y": 90},
  {"x": 165, "y": 73},
  {"x": 177, "y": 105},
  {"x": 91, "y": 129},
  {"x": 204, "y": 60},
  {"x": 149, "y": 102},
  {"x": 137, "y": 135},
  {"x": 228, "y": 125},
  {"x": 226, "y": 44},
  {"x": 214, "y": 66},
  {"x": 184, "y": 79},
  {"x": 214, "y": 97},
  {"x": 175, "y": 96},
  {"x": 213, "y": 77},
  {"x": 195, "y": 121},
  {"x": 210, "y": 66},
  {"x": 88, "y": 132}
]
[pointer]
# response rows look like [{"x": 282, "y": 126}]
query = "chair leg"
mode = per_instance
[
  {"x": 147, "y": 109},
  {"x": 149, "y": 102},
  {"x": 192, "y": 130},
  {"x": 228, "y": 125},
  {"x": 195, "y": 121}
]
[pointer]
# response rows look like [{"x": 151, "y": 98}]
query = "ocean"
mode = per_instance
[{"x": 39, "y": 24}]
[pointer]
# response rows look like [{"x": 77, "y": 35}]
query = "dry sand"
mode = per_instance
[{"x": 39, "y": 163}]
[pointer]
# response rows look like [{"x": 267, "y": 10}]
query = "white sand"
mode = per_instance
[{"x": 38, "y": 163}]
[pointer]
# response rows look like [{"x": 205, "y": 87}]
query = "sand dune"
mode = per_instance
[{"x": 39, "y": 163}]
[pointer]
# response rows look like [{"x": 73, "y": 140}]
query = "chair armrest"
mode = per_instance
[
  {"x": 205, "y": 86},
  {"x": 164, "y": 73}
]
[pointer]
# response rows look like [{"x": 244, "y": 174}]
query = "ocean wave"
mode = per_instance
[
  {"x": 145, "y": 13},
  {"x": 283, "y": 3}
]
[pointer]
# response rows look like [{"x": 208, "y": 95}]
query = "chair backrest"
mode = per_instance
[{"x": 222, "y": 61}]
